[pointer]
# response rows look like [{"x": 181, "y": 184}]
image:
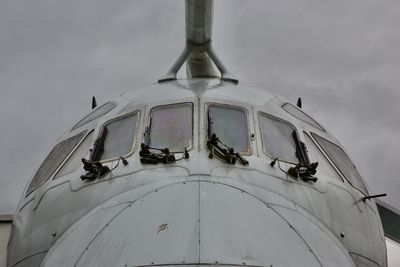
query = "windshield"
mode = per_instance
[
  {"x": 171, "y": 127},
  {"x": 97, "y": 113},
  {"x": 277, "y": 138},
  {"x": 120, "y": 137},
  {"x": 342, "y": 162},
  {"x": 74, "y": 161},
  {"x": 56, "y": 156},
  {"x": 323, "y": 164},
  {"x": 298, "y": 113},
  {"x": 229, "y": 124}
]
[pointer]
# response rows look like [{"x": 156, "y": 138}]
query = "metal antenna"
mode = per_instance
[
  {"x": 94, "y": 102},
  {"x": 299, "y": 103}
]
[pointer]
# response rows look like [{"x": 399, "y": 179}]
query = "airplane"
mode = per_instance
[{"x": 200, "y": 171}]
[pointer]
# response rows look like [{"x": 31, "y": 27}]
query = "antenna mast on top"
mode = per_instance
[{"x": 201, "y": 60}]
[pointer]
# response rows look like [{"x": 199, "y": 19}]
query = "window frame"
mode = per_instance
[
  {"x": 149, "y": 121},
  {"x": 337, "y": 168},
  {"x": 260, "y": 113},
  {"x": 51, "y": 176},
  {"x": 232, "y": 106},
  {"x": 135, "y": 137}
]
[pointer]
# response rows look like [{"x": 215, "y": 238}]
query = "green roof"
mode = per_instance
[{"x": 390, "y": 220}]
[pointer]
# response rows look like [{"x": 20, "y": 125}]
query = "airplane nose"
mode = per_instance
[{"x": 194, "y": 223}]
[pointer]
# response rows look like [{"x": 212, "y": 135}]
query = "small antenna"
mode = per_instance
[
  {"x": 299, "y": 104},
  {"x": 373, "y": 196},
  {"x": 94, "y": 102}
]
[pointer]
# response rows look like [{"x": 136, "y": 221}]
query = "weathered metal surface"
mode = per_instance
[
  {"x": 199, "y": 16},
  {"x": 160, "y": 227},
  {"x": 201, "y": 223},
  {"x": 238, "y": 228}
]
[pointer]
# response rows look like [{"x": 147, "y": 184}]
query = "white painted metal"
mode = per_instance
[
  {"x": 199, "y": 16},
  {"x": 201, "y": 60}
]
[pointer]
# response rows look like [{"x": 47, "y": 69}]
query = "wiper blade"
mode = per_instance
[
  {"x": 304, "y": 169},
  {"x": 227, "y": 154},
  {"x": 300, "y": 149},
  {"x": 94, "y": 169},
  {"x": 98, "y": 147},
  {"x": 164, "y": 155}
]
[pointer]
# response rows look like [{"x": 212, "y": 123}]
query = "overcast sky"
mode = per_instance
[{"x": 341, "y": 57}]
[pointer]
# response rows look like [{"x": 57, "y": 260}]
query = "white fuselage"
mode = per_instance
[{"x": 198, "y": 210}]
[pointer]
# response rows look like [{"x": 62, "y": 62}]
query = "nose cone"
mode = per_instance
[{"x": 194, "y": 223}]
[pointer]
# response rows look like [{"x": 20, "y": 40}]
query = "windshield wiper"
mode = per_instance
[
  {"x": 227, "y": 154},
  {"x": 94, "y": 169},
  {"x": 304, "y": 169},
  {"x": 164, "y": 155}
]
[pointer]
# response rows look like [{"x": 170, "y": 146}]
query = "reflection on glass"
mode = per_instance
[
  {"x": 230, "y": 125},
  {"x": 172, "y": 127},
  {"x": 74, "y": 161},
  {"x": 342, "y": 162},
  {"x": 296, "y": 112},
  {"x": 56, "y": 156},
  {"x": 120, "y": 136},
  {"x": 316, "y": 155},
  {"x": 277, "y": 138},
  {"x": 97, "y": 113}
]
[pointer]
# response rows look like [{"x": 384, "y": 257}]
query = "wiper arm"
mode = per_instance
[
  {"x": 94, "y": 169},
  {"x": 98, "y": 148},
  {"x": 148, "y": 157},
  {"x": 304, "y": 169},
  {"x": 227, "y": 154},
  {"x": 300, "y": 149}
]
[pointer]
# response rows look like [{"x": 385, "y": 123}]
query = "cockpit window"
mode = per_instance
[
  {"x": 277, "y": 138},
  {"x": 56, "y": 156},
  {"x": 229, "y": 124},
  {"x": 120, "y": 136},
  {"x": 97, "y": 113},
  {"x": 296, "y": 112},
  {"x": 324, "y": 166},
  {"x": 171, "y": 126},
  {"x": 74, "y": 161},
  {"x": 342, "y": 162}
]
